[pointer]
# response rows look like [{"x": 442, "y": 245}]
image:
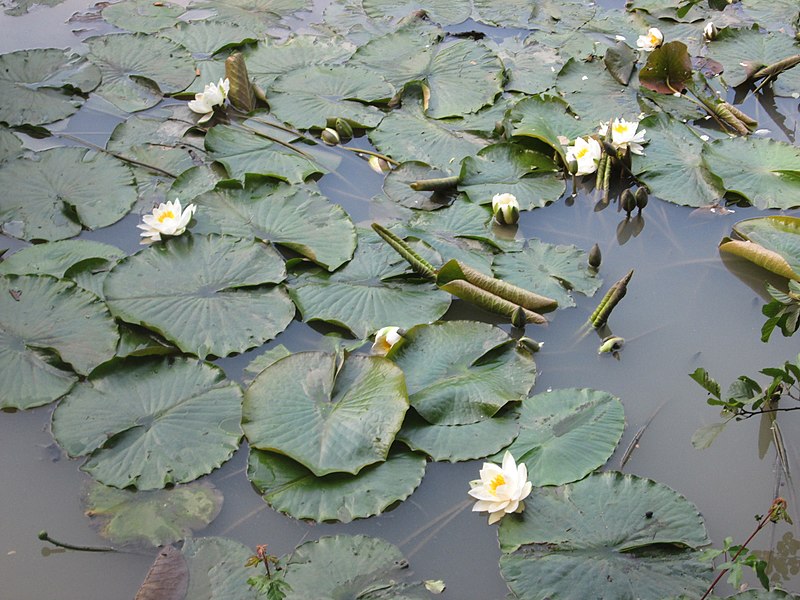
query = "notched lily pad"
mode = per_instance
[{"x": 770, "y": 242}]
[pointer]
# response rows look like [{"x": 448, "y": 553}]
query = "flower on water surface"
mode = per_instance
[
  {"x": 385, "y": 338},
  {"x": 501, "y": 489},
  {"x": 624, "y": 135},
  {"x": 586, "y": 152},
  {"x": 166, "y": 219},
  {"x": 710, "y": 32},
  {"x": 505, "y": 209},
  {"x": 651, "y": 40},
  {"x": 213, "y": 95}
]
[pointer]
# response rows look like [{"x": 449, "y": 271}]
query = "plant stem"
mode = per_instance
[
  {"x": 43, "y": 535},
  {"x": 116, "y": 155},
  {"x": 439, "y": 184},
  {"x": 371, "y": 153}
]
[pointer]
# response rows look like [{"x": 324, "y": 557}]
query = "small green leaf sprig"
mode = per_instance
[{"x": 271, "y": 586}]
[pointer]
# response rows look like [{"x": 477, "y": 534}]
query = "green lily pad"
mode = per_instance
[
  {"x": 307, "y": 98},
  {"x": 566, "y": 434},
  {"x": 142, "y": 16},
  {"x": 349, "y": 567},
  {"x": 265, "y": 13},
  {"x": 149, "y": 423},
  {"x": 581, "y": 84},
  {"x": 217, "y": 569},
  {"x": 367, "y": 293},
  {"x": 545, "y": 118},
  {"x": 510, "y": 13},
  {"x": 668, "y": 69},
  {"x": 673, "y": 167},
  {"x": 770, "y": 242},
  {"x": 765, "y": 172},
  {"x": 289, "y": 487},
  {"x": 397, "y": 187},
  {"x": 462, "y": 372},
  {"x": 349, "y": 412},
  {"x": 16, "y": 8},
  {"x": 262, "y": 361},
  {"x": 297, "y": 217},
  {"x": 531, "y": 66},
  {"x": 604, "y": 536},
  {"x": 454, "y": 443},
  {"x": 549, "y": 270},
  {"x": 138, "y": 68},
  {"x": 409, "y": 135},
  {"x": 62, "y": 190},
  {"x": 461, "y": 76},
  {"x": 773, "y": 594},
  {"x": 10, "y": 145},
  {"x": 47, "y": 326},
  {"x": 206, "y": 307},
  {"x": 772, "y": 14},
  {"x": 242, "y": 152},
  {"x": 56, "y": 258},
  {"x": 509, "y": 168},
  {"x": 44, "y": 85},
  {"x": 138, "y": 341},
  {"x": 444, "y": 12},
  {"x": 157, "y": 517}
]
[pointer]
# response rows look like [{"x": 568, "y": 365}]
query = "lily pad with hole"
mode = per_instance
[
  {"x": 151, "y": 422},
  {"x": 138, "y": 69},
  {"x": 348, "y": 410},
  {"x": 43, "y": 85},
  {"x": 770, "y": 242},
  {"x": 550, "y": 270},
  {"x": 566, "y": 434},
  {"x": 289, "y": 487},
  {"x": 209, "y": 295},
  {"x": 765, "y": 172},
  {"x": 297, "y": 217},
  {"x": 462, "y": 372},
  {"x": 142, "y": 16},
  {"x": 46, "y": 327},
  {"x": 156, "y": 517},
  {"x": 604, "y": 536},
  {"x": 217, "y": 569},
  {"x": 546, "y": 119},
  {"x": 369, "y": 292}
]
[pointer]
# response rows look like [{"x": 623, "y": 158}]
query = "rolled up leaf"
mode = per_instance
[
  {"x": 241, "y": 95},
  {"x": 488, "y": 301},
  {"x": 616, "y": 293},
  {"x": 419, "y": 264}
]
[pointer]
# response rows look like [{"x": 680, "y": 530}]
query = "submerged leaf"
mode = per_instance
[{"x": 167, "y": 579}]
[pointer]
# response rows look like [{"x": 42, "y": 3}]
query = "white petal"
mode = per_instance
[{"x": 495, "y": 517}]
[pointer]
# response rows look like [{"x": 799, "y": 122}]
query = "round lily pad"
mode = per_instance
[
  {"x": 462, "y": 372},
  {"x": 210, "y": 295},
  {"x": 56, "y": 258},
  {"x": 149, "y": 423},
  {"x": 291, "y": 488},
  {"x": 217, "y": 569},
  {"x": 349, "y": 411},
  {"x": 547, "y": 119},
  {"x": 142, "y": 16}
]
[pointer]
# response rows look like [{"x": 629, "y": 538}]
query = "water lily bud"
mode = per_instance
[
  {"x": 595, "y": 257},
  {"x": 572, "y": 166},
  {"x": 505, "y": 209},
  {"x": 344, "y": 129},
  {"x": 628, "y": 201},
  {"x": 641, "y": 198},
  {"x": 710, "y": 32},
  {"x": 612, "y": 343},
  {"x": 518, "y": 317},
  {"x": 530, "y": 344},
  {"x": 385, "y": 338},
  {"x": 378, "y": 164},
  {"x": 330, "y": 137}
]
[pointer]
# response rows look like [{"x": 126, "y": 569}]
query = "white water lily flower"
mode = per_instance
[
  {"x": 166, "y": 219},
  {"x": 213, "y": 95},
  {"x": 586, "y": 152},
  {"x": 651, "y": 40},
  {"x": 624, "y": 135},
  {"x": 385, "y": 338},
  {"x": 710, "y": 32},
  {"x": 505, "y": 209},
  {"x": 501, "y": 489}
]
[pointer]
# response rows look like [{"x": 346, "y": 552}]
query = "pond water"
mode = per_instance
[{"x": 686, "y": 307}]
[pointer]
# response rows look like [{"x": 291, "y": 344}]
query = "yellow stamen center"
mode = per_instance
[
  {"x": 496, "y": 483},
  {"x": 582, "y": 152},
  {"x": 167, "y": 214},
  {"x": 620, "y": 128},
  {"x": 654, "y": 41}
]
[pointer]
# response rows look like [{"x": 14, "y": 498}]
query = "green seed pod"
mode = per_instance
[
  {"x": 518, "y": 317},
  {"x": 241, "y": 95},
  {"x": 344, "y": 130},
  {"x": 329, "y": 136},
  {"x": 641, "y": 198},
  {"x": 595, "y": 257},
  {"x": 628, "y": 201},
  {"x": 530, "y": 344},
  {"x": 612, "y": 343}
]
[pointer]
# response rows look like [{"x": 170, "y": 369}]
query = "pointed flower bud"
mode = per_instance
[
  {"x": 595, "y": 257},
  {"x": 505, "y": 209},
  {"x": 628, "y": 201},
  {"x": 518, "y": 317},
  {"x": 641, "y": 198},
  {"x": 378, "y": 164},
  {"x": 710, "y": 32},
  {"x": 344, "y": 129},
  {"x": 330, "y": 137}
]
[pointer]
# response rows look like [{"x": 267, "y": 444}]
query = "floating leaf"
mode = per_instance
[
  {"x": 138, "y": 68},
  {"x": 462, "y": 372},
  {"x": 444, "y": 12},
  {"x": 44, "y": 85},
  {"x": 773, "y": 594},
  {"x": 620, "y": 61},
  {"x": 566, "y": 434},
  {"x": 207, "y": 294},
  {"x": 770, "y": 242},
  {"x": 594, "y": 95},
  {"x": 265, "y": 13},
  {"x": 143, "y": 16},
  {"x": 765, "y": 172},
  {"x": 56, "y": 258},
  {"x": 550, "y": 270},
  {"x": 10, "y": 145},
  {"x": 460, "y": 442},
  {"x": 349, "y": 567},
  {"x": 397, "y": 187},
  {"x": 262, "y": 361},
  {"x": 510, "y": 168},
  {"x": 167, "y": 579},
  {"x": 310, "y": 97},
  {"x": 297, "y": 217},
  {"x": 668, "y": 69},
  {"x": 149, "y": 423},
  {"x": 289, "y": 487},
  {"x": 604, "y": 536},
  {"x": 157, "y": 518},
  {"x": 47, "y": 325},
  {"x": 546, "y": 119},
  {"x": 314, "y": 392},
  {"x": 673, "y": 167},
  {"x": 510, "y": 13},
  {"x": 217, "y": 569},
  {"x": 366, "y": 293},
  {"x": 531, "y": 66}
]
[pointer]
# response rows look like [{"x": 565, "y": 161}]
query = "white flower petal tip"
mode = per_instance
[
  {"x": 385, "y": 338},
  {"x": 651, "y": 40},
  {"x": 166, "y": 219},
  {"x": 585, "y": 153},
  {"x": 501, "y": 489},
  {"x": 505, "y": 209},
  {"x": 625, "y": 135},
  {"x": 212, "y": 95}
]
